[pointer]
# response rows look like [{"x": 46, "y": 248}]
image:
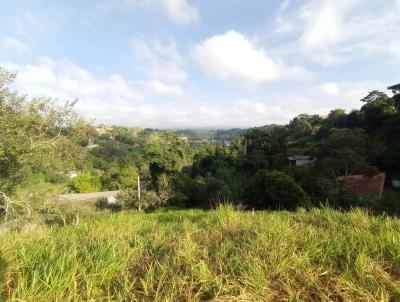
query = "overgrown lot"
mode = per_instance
[{"x": 193, "y": 255}]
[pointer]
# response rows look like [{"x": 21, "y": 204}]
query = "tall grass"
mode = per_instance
[{"x": 220, "y": 255}]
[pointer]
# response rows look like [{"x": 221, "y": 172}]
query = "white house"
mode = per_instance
[{"x": 300, "y": 160}]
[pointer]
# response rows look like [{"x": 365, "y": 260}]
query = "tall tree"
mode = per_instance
[
  {"x": 36, "y": 135},
  {"x": 166, "y": 154},
  {"x": 345, "y": 152},
  {"x": 396, "y": 97},
  {"x": 378, "y": 107}
]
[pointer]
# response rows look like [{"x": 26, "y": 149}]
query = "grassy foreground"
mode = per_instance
[{"x": 220, "y": 255}]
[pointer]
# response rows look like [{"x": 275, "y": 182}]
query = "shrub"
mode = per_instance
[
  {"x": 103, "y": 204},
  {"x": 274, "y": 189},
  {"x": 127, "y": 177},
  {"x": 86, "y": 183},
  {"x": 314, "y": 184},
  {"x": 129, "y": 199}
]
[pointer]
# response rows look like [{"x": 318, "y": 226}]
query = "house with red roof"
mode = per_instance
[{"x": 363, "y": 186}]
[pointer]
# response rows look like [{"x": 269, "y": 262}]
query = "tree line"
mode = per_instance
[
  {"x": 255, "y": 171},
  {"x": 40, "y": 142}
]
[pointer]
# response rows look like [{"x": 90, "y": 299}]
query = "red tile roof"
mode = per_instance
[{"x": 362, "y": 185}]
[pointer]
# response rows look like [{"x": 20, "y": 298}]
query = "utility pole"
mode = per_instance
[{"x": 138, "y": 192}]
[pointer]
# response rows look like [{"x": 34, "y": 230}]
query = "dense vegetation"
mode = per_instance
[
  {"x": 228, "y": 135},
  {"x": 52, "y": 250},
  {"x": 360, "y": 142},
  {"x": 41, "y": 143},
  {"x": 220, "y": 255}
]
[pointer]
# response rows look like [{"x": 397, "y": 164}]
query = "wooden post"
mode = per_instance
[{"x": 138, "y": 191}]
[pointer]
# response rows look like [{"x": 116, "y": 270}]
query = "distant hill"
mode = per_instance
[{"x": 218, "y": 135}]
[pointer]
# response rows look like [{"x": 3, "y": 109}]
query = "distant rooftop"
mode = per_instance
[
  {"x": 364, "y": 186},
  {"x": 299, "y": 157}
]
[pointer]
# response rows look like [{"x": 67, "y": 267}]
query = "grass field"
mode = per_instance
[{"x": 220, "y": 255}]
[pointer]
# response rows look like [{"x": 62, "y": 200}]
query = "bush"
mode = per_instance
[
  {"x": 66, "y": 212},
  {"x": 86, "y": 183},
  {"x": 274, "y": 189},
  {"x": 314, "y": 184},
  {"x": 103, "y": 204},
  {"x": 389, "y": 203},
  {"x": 129, "y": 200}
]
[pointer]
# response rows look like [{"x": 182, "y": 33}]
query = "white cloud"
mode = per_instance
[
  {"x": 329, "y": 89},
  {"x": 12, "y": 44},
  {"x": 26, "y": 25},
  {"x": 160, "y": 61},
  {"x": 65, "y": 80},
  {"x": 346, "y": 95},
  {"x": 332, "y": 32},
  {"x": 177, "y": 11},
  {"x": 180, "y": 11},
  {"x": 159, "y": 88},
  {"x": 240, "y": 113},
  {"x": 233, "y": 57},
  {"x": 283, "y": 24},
  {"x": 325, "y": 23},
  {"x": 114, "y": 100}
]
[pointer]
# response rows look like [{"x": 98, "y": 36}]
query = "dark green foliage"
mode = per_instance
[
  {"x": 166, "y": 154},
  {"x": 216, "y": 175},
  {"x": 377, "y": 108},
  {"x": 275, "y": 190},
  {"x": 345, "y": 152},
  {"x": 266, "y": 149},
  {"x": 309, "y": 178},
  {"x": 360, "y": 142}
]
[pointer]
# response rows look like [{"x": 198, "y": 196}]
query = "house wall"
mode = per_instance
[{"x": 302, "y": 162}]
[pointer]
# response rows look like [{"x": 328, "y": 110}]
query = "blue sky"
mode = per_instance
[{"x": 196, "y": 64}]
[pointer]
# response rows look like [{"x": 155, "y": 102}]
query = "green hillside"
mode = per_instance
[{"x": 218, "y": 135}]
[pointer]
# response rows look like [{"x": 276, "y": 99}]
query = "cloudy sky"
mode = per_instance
[{"x": 204, "y": 63}]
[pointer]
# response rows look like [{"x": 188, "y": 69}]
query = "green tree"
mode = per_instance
[
  {"x": 36, "y": 136},
  {"x": 396, "y": 95},
  {"x": 346, "y": 152},
  {"x": 127, "y": 177},
  {"x": 166, "y": 154},
  {"x": 86, "y": 183},
  {"x": 268, "y": 149},
  {"x": 304, "y": 125},
  {"x": 275, "y": 189},
  {"x": 378, "y": 107}
]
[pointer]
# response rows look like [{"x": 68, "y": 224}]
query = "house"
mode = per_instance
[
  {"x": 363, "y": 186},
  {"x": 396, "y": 183},
  {"x": 300, "y": 160}
]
